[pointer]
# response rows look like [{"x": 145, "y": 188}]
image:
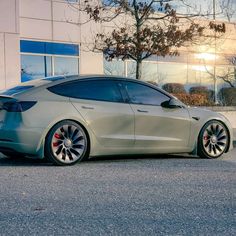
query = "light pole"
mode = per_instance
[{"x": 214, "y": 69}]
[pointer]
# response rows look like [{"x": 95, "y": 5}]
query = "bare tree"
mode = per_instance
[
  {"x": 228, "y": 8},
  {"x": 227, "y": 74},
  {"x": 152, "y": 27}
]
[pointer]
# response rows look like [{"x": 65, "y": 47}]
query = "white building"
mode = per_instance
[
  {"x": 41, "y": 38},
  {"x": 44, "y": 37}
]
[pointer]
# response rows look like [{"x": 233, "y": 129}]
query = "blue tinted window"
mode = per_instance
[
  {"x": 66, "y": 66},
  {"x": 100, "y": 90},
  {"x": 142, "y": 94},
  {"x": 49, "y": 48},
  {"x": 34, "y": 67}
]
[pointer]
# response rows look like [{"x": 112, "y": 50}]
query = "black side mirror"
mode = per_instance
[{"x": 172, "y": 103}]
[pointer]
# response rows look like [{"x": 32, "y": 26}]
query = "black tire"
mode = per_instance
[
  {"x": 213, "y": 140},
  {"x": 67, "y": 143}
]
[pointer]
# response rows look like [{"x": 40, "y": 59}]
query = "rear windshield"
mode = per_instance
[
  {"x": 15, "y": 90},
  {"x": 54, "y": 78}
]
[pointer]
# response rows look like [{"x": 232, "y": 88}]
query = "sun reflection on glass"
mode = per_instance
[{"x": 206, "y": 56}]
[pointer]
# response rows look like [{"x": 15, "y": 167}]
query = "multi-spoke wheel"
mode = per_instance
[
  {"x": 213, "y": 140},
  {"x": 66, "y": 143}
]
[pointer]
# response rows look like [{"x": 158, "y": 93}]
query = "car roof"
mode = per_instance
[
  {"x": 56, "y": 80},
  {"x": 113, "y": 77}
]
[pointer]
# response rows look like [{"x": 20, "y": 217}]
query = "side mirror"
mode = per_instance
[{"x": 172, "y": 103}]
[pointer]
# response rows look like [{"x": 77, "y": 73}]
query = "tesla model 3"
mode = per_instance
[{"x": 71, "y": 118}]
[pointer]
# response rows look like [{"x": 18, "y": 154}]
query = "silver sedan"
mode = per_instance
[{"x": 71, "y": 118}]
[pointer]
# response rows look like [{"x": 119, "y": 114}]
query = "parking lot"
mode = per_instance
[{"x": 137, "y": 195}]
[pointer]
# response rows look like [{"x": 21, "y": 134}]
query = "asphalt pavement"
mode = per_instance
[{"x": 136, "y": 195}]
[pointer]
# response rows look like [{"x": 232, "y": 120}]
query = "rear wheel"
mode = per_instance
[
  {"x": 213, "y": 140},
  {"x": 66, "y": 143}
]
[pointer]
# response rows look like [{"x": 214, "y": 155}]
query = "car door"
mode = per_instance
[
  {"x": 101, "y": 104},
  {"x": 158, "y": 128}
]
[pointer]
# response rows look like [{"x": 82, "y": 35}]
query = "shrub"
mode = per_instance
[
  {"x": 204, "y": 91},
  {"x": 198, "y": 89},
  {"x": 227, "y": 96},
  {"x": 175, "y": 88},
  {"x": 193, "y": 99}
]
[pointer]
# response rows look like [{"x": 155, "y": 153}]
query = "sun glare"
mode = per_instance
[
  {"x": 206, "y": 56},
  {"x": 201, "y": 68}
]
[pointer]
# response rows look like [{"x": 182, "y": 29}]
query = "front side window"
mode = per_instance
[
  {"x": 101, "y": 90},
  {"x": 142, "y": 94}
]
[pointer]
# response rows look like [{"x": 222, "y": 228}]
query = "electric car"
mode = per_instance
[{"x": 68, "y": 119}]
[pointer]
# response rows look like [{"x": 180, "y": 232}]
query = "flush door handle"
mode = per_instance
[
  {"x": 87, "y": 107},
  {"x": 143, "y": 111}
]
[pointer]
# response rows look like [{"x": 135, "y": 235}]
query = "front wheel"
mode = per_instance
[
  {"x": 66, "y": 143},
  {"x": 213, "y": 140}
]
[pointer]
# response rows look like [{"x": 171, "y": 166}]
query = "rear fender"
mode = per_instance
[{"x": 41, "y": 145}]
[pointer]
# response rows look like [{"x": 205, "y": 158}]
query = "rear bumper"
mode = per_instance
[{"x": 20, "y": 140}]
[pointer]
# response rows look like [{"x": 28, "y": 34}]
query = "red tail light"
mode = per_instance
[{"x": 17, "y": 106}]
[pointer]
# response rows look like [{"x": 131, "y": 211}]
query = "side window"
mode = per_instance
[
  {"x": 142, "y": 94},
  {"x": 101, "y": 90}
]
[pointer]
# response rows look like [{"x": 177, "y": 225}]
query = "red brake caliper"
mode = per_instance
[{"x": 57, "y": 136}]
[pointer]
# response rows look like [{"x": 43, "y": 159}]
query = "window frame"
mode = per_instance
[{"x": 53, "y": 54}]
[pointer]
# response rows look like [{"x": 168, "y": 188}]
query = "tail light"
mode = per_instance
[{"x": 17, "y": 106}]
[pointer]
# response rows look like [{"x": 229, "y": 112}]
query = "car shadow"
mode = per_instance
[
  {"x": 23, "y": 161},
  {"x": 20, "y": 161},
  {"x": 141, "y": 157}
]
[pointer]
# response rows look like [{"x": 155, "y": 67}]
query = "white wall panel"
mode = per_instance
[
  {"x": 90, "y": 63},
  {"x": 40, "y": 9},
  {"x": 36, "y": 29},
  {"x": 88, "y": 30},
  {"x": 65, "y": 12},
  {"x": 8, "y": 21},
  {"x": 12, "y": 59},
  {"x": 66, "y": 32},
  {"x": 2, "y": 62}
]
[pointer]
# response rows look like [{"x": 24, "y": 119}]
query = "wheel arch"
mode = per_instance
[
  {"x": 41, "y": 145},
  {"x": 209, "y": 120}
]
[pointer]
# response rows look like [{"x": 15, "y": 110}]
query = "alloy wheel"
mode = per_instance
[
  {"x": 68, "y": 143},
  {"x": 215, "y": 139}
]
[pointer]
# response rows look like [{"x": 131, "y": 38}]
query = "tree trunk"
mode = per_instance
[{"x": 138, "y": 70}]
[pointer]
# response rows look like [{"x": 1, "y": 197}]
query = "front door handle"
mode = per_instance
[
  {"x": 143, "y": 111},
  {"x": 88, "y": 108}
]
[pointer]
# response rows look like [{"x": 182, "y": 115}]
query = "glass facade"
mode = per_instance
[
  {"x": 187, "y": 70},
  {"x": 42, "y": 59},
  {"x": 209, "y": 66}
]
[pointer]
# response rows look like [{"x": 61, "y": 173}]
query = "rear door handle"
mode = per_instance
[
  {"x": 143, "y": 111},
  {"x": 88, "y": 108}
]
